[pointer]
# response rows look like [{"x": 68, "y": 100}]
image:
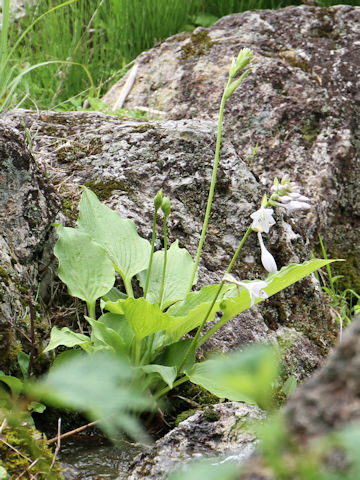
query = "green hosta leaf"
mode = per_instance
[
  {"x": 173, "y": 355},
  {"x": 292, "y": 273},
  {"x": 84, "y": 266},
  {"x": 13, "y": 383},
  {"x": 194, "y": 299},
  {"x": 3, "y": 474},
  {"x": 66, "y": 356},
  {"x": 190, "y": 313},
  {"x": 119, "y": 324},
  {"x": 244, "y": 376},
  {"x": 107, "y": 336},
  {"x": 144, "y": 317},
  {"x": 168, "y": 374},
  {"x": 179, "y": 269},
  {"x": 113, "y": 295},
  {"x": 36, "y": 407},
  {"x": 115, "y": 307},
  {"x": 181, "y": 325},
  {"x": 23, "y": 361},
  {"x": 127, "y": 250},
  {"x": 99, "y": 384},
  {"x": 277, "y": 281},
  {"x": 211, "y": 469},
  {"x": 68, "y": 338}
]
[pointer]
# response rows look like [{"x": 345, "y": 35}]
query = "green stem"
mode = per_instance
[
  {"x": 220, "y": 323},
  {"x": 137, "y": 351},
  {"x": 153, "y": 238},
  {"x": 167, "y": 389},
  {"x": 195, "y": 343},
  {"x": 165, "y": 262},
  {"x": 212, "y": 188},
  {"x": 91, "y": 309},
  {"x": 128, "y": 287}
]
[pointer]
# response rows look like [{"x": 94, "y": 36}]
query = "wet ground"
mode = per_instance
[{"x": 94, "y": 458}]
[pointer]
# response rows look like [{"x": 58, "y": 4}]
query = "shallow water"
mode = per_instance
[{"x": 93, "y": 458}]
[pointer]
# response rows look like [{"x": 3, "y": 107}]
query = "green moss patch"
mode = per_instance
[
  {"x": 200, "y": 44},
  {"x": 23, "y": 450},
  {"x": 104, "y": 190}
]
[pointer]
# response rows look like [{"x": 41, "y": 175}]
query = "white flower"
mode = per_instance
[
  {"x": 255, "y": 288},
  {"x": 262, "y": 220},
  {"x": 295, "y": 205},
  {"x": 267, "y": 259},
  {"x": 289, "y": 196}
]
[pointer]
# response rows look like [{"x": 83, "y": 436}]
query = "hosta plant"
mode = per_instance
[{"x": 149, "y": 329}]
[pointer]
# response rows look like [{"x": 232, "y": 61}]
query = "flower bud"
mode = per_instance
[
  {"x": 243, "y": 59},
  {"x": 158, "y": 199},
  {"x": 267, "y": 259},
  {"x": 166, "y": 206}
]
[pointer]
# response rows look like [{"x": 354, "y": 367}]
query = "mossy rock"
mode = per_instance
[
  {"x": 24, "y": 450},
  {"x": 200, "y": 44}
]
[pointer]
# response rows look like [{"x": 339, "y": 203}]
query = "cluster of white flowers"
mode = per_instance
[
  {"x": 289, "y": 196},
  {"x": 285, "y": 194}
]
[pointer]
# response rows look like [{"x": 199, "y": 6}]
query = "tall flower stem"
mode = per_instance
[
  {"x": 165, "y": 262},
  {"x": 196, "y": 342},
  {"x": 212, "y": 187},
  {"x": 153, "y": 238},
  {"x": 243, "y": 59}
]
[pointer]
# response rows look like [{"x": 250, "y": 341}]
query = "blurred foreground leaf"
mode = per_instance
[
  {"x": 244, "y": 376},
  {"x": 211, "y": 470},
  {"x": 101, "y": 385}
]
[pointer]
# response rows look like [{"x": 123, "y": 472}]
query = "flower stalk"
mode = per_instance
[
  {"x": 243, "y": 59},
  {"x": 157, "y": 204}
]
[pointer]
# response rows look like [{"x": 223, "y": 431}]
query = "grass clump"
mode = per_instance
[{"x": 67, "y": 51}]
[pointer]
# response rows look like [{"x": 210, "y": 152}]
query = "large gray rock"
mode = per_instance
[
  {"x": 330, "y": 399},
  {"x": 28, "y": 205},
  {"x": 325, "y": 403},
  {"x": 125, "y": 163},
  {"x": 300, "y": 105},
  {"x": 225, "y": 431}
]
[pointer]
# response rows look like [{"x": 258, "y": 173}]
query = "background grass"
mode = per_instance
[{"x": 105, "y": 35}]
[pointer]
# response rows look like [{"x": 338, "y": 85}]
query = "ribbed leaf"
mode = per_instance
[
  {"x": 190, "y": 313},
  {"x": 168, "y": 374},
  {"x": 144, "y": 317},
  {"x": 178, "y": 273},
  {"x": 107, "y": 336},
  {"x": 244, "y": 376},
  {"x": 127, "y": 250},
  {"x": 83, "y": 265},
  {"x": 67, "y": 338},
  {"x": 277, "y": 281}
]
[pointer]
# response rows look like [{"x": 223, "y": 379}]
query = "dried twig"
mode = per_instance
[
  {"x": 27, "y": 469},
  {"x": 58, "y": 444},
  {"x": 126, "y": 88},
  {"x": 3, "y": 425},
  {"x": 15, "y": 450},
  {"x": 72, "y": 432},
  {"x": 32, "y": 326}
]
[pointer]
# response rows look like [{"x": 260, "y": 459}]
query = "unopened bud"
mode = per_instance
[
  {"x": 166, "y": 206},
  {"x": 158, "y": 199},
  {"x": 244, "y": 58}
]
